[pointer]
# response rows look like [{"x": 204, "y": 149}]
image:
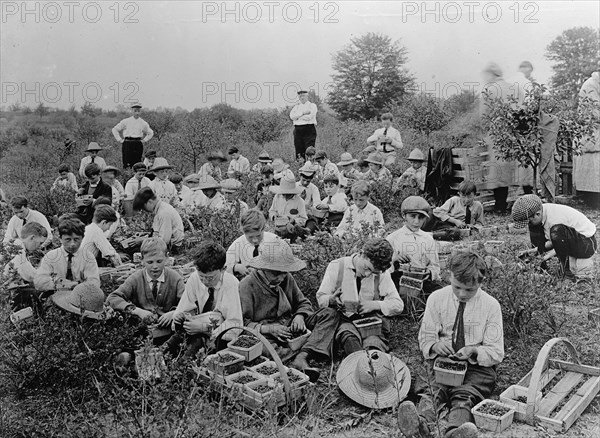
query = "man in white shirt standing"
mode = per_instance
[
  {"x": 304, "y": 115},
  {"x": 133, "y": 133},
  {"x": 387, "y": 139}
]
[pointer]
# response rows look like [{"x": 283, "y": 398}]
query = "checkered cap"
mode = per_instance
[{"x": 524, "y": 208}]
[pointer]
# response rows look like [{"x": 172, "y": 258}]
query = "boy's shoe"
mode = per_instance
[
  {"x": 465, "y": 430},
  {"x": 410, "y": 423}
]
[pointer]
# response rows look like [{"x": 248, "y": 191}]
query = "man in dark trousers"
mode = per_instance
[
  {"x": 133, "y": 132},
  {"x": 304, "y": 115}
]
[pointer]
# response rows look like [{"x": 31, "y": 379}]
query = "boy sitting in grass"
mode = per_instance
[
  {"x": 415, "y": 175},
  {"x": 210, "y": 302},
  {"x": 184, "y": 193},
  {"x": 460, "y": 211},
  {"x": 559, "y": 230},
  {"x": 69, "y": 265},
  {"x": 362, "y": 211},
  {"x": 137, "y": 181},
  {"x": 65, "y": 178},
  {"x": 94, "y": 187},
  {"x": 94, "y": 239},
  {"x": 288, "y": 210},
  {"x": 24, "y": 215},
  {"x": 334, "y": 205},
  {"x": 464, "y": 323},
  {"x": 152, "y": 293}
]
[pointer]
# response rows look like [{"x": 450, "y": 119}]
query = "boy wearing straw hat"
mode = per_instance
[
  {"x": 362, "y": 277},
  {"x": 213, "y": 198},
  {"x": 161, "y": 186},
  {"x": 288, "y": 211},
  {"x": 378, "y": 173},
  {"x": 348, "y": 170},
  {"x": 92, "y": 149},
  {"x": 197, "y": 196},
  {"x": 137, "y": 181},
  {"x": 230, "y": 188},
  {"x": 281, "y": 170},
  {"x": 212, "y": 167},
  {"x": 462, "y": 322},
  {"x": 273, "y": 304},
  {"x": 415, "y": 175}
]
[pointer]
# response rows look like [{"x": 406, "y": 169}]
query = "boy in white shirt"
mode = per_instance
[
  {"x": 210, "y": 303},
  {"x": 334, "y": 204},
  {"x": 24, "y": 215},
  {"x": 65, "y": 179},
  {"x": 213, "y": 198},
  {"x": 197, "y": 196},
  {"x": 362, "y": 211},
  {"x": 184, "y": 193},
  {"x": 95, "y": 241},
  {"x": 93, "y": 149},
  {"x": 378, "y": 173},
  {"x": 415, "y": 175},
  {"x": 230, "y": 188},
  {"x": 161, "y": 186},
  {"x": 137, "y": 181},
  {"x": 326, "y": 165},
  {"x": 239, "y": 164},
  {"x": 109, "y": 176},
  {"x": 387, "y": 139}
]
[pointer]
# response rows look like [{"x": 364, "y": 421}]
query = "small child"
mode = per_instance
[
  {"x": 378, "y": 173},
  {"x": 414, "y": 246},
  {"x": 288, "y": 210},
  {"x": 213, "y": 198},
  {"x": 24, "y": 215},
  {"x": 152, "y": 293},
  {"x": 561, "y": 230},
  {"x": 184, "y": 193},
  {"x": 415, "y": 175},
  {"x": 109, "y": 176},
  {"x": 462, "y": 322},
  {"x": 326, "y": 165},
  {"x": 362, "y": 211},
  {"x": 94, "y": 239},
  {"x": 335, "y": 203},
  {"x": 458, "y": 212},
  {"x": 65, "y": 178},
  {"x": 149, "y": 158},
  {"x": 239, "y": 164},
  {"x": 69, "y": 265},
  {"x": 213, "y": 167},
  {"x": 230, "y": 188},
  {"x": 264, "y": 197},
  {"x": 161, "y": 186},
  {"x": 92, "y": 149},
  {"x": 137, "y": 181},
  {"x": 94, "y": 187},
  {"x": 209, "y": 291}
]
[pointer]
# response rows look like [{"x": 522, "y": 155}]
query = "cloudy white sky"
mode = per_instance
[{"x": 252, "y": 54}]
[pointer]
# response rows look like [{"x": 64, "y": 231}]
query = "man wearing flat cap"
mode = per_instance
[
  {"x": 304, "y": 116},
  {"x": 133, "y": 132}
]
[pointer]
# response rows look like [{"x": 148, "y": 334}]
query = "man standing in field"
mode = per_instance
[
  {"x": 133, "y": 133},
  {"x": 304, "y": 115}
]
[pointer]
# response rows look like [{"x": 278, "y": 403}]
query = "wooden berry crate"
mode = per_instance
[
  {"x": 448, "y": 377},
  {"x": 410, "y": 287},
  {"x": 249, "y": 353},
  {"x": 412, "y": 271},
  {"x": 509, "y": 396},
  {"x": 224, "y": 368},
  {"x": 491, "y": 422},
  {"x": 297, "y": 343},
  {"x": 575, "y": 390},
  {"x": 370, "y": 326}
]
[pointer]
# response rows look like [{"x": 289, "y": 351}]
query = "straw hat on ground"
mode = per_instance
[
  {"x": 416, "y": 155},
  {"x": 93, "y": 146},
  {"x": 287, "y": 186},
  {"x": 85, "y": 299},
  {"x": 375, "y": 158},
  {"x": 374, "y": 379},
  {"x": 346, "y": 158},
  {"x": 277, "y": 256},
  {"x": 208, "y": 182},
  {"x": 160, "y": 164}
]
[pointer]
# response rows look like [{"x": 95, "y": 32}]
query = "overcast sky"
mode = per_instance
[{"x": 252, "y": 55}]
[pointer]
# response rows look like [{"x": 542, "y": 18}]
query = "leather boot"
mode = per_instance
[
  {"x": 410, "y": 423},
  {"x": 461, "y": 424}
]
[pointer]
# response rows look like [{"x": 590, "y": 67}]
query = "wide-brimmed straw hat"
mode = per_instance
[
  {"x": 374, "y": 379},
  {"x": 287, "y": 186},
  {"x": 160, "y": 163},
  {"x": 308, "y": 170},
  {"x": 416, "y": 155},
  {"x": 230, "y": 185},
  {"x": 85, "y": 299},
  {"x": 346, "y": 158},
  {"x": 93, "y": 146},
  {"x": 277, "y": 256},
  {"x": 208, "y": 182},
  {"x": 375, "y": 158},
  {"x": 264, "y": 157},
  {"x": 111, "y": 169},
  {"x": 216, "y": 155}
]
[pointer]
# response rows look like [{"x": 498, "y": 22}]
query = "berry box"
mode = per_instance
[
  {"x": 516, "y": 396},
  {"x": 246, "y": 345},
  {"x": 449, "y": 372},
  {"x": 493, "y": 416},
  {"x": 368, "y": 326},
  {"x": 266, "y": 369},
  {"x": 224, "y": 362},
  {"x": 297, "y": 342}
]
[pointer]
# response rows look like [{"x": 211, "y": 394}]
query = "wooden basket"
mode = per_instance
[
  {"x": 249, "y": 353},
  {"x": 413, "y": 272},
  {"x": 224, "y": 368},
  {"x": 270, "y": 364},
  {"x": 508, "y": 397},
  {"x": 298, "y": 385},
  {"x": 448, "y": 377},
  {"x": 298, "y": 342},
  {"x": 370, "y": 326},
  {"x": 253, "y": 399},
  {"x": 575, "y": 398},
  {"x": 491, "y": 422},
  {"x": 410, "y": 287}
]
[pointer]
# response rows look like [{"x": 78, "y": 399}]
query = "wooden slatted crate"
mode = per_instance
[{"x": 565, "y": 400}]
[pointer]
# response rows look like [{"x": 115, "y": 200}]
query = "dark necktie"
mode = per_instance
[
  {"x": 468, "y": 216},
  {"x": 358, "y": 283},
  {"x": 154, "y": 289},
  {"x": 24, "y": 221},
  {"x": 329, "y": 200},
  {"x": 255, "y": 252},
  {"x": 93, "y": 159},
  {"x": 208, "y": 306},
  {"x": 69, "y": 271},
  {"x": 458, "y": 329}
]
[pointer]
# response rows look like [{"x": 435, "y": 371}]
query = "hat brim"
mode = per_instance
[
  {"x": 94, "y": 149},
  {"x": 345, "y": 163},
  {"x": 217, "y": 157},
  {"x": 265, "y": 160},
  {"x": 374, "y": 162},
  {"x": 283, "y": 266},
  {"x": 279, "y": 191},
  {"x": 519, "y": 225},
  {"x": 385, "y": 399},
  {"x": 111, "y": 169},
  {"x": 423, "y": 212},
  {"x": 60, "y": 299},
  {"x": 157, "y": 168},
  {"x": 208, "y": 186},
  {"x": 415, "y": 159}
]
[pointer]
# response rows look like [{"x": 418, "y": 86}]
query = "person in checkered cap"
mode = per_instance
[{"x": 559, "y": 230}]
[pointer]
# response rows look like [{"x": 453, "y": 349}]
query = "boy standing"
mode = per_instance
[
  {"x": 151, "y": 293},
  {"x": 462, "y": 322},
  {"x": 362, "y": 211},
  {"x": 24, "y": 215},
  {"x": 137, "y": 181},
  {"x": 94, "y": 239},
  {"x": 561, "y": 230},
  {"x": 93, "y": 149},
  {"x": 69, "y": 265},
  {"x": 239, "y": 164}
]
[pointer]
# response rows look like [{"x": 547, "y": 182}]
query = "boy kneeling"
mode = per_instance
[{"x": 462, "y": 322}]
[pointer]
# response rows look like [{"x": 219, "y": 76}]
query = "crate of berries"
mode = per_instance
[
  {"x": 368, "y": 326},
  {"x": 266, "y": 369},
  {"x": 246, "y": 345},
  {"x": 297, "y": 340},
  {"x": 449, "y": 372},
  {"x": 516, "y": 396},
  {"x": 412, "y": 271},
  {"x": 263, "y": 392},
  {"x": 493, "y": 416},
  {"x": 224, "y": 362},
  {"x": 297, "y": 381},
  {"x": 410, "y": 287},
  {"x": 493, "y": 247},
  {"x": 242, "y": 378}
]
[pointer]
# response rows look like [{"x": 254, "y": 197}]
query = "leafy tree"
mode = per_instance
[
  {"x": 88, "y": 128},
  {"x": 90, "y": 110},
  {"x": 263, "y": 126},
  {"x": 228, "y": 117},
  {"x": 369, "y": 77},
  {"x": 459, "y": 104},
  {"x": 41, "y": 110},
  {"x": 161, "y": 122},
  {"x": 198, "y": 135},
  {"x": 576, "y": 54},
  {"x": 424, "y": 114}
]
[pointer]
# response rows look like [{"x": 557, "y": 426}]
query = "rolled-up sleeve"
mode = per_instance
[{"x": 392, "y": 304}]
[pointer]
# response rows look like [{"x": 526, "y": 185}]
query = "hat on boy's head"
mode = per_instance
[
  {"x": 216, "y": 155},
  {"x": 160, "y": 164},
  {"x": 415, "y": 204},
  {"x": 375, "y": 158},
  {"x": 308, "y": 170},
  {"x": 232, "y": 150},
  {"x": 93, "y": 146},
  {"x": 369, "y": 149},
  {"x": 264, "y": 157},
  {"x": 287, "y": 186},
  {"x": 302, "y": 92},
  {"x": 374, "y": 379},
  {"x": 320, "y": 155},
  {"x": 346, "y": 158},
  {"x": 136, "y": 105},
  {"x": 139, "y": 166},
  {"x": 525, "y": 207},
  {"x": 230, "y": 185},
  {"x": 277, "y": 256},
  {"x": 192, "y": 178},
  {"x": 208, "y": 182},
  {"x": 278, "y": 164},
  {"x": 416, "y": 155},
  {"x": 85, "y": 299},
  {"x": 150, "y": 154},
  {"x": 310, "y": 151},
  {"x": 112, "y": 169}
]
